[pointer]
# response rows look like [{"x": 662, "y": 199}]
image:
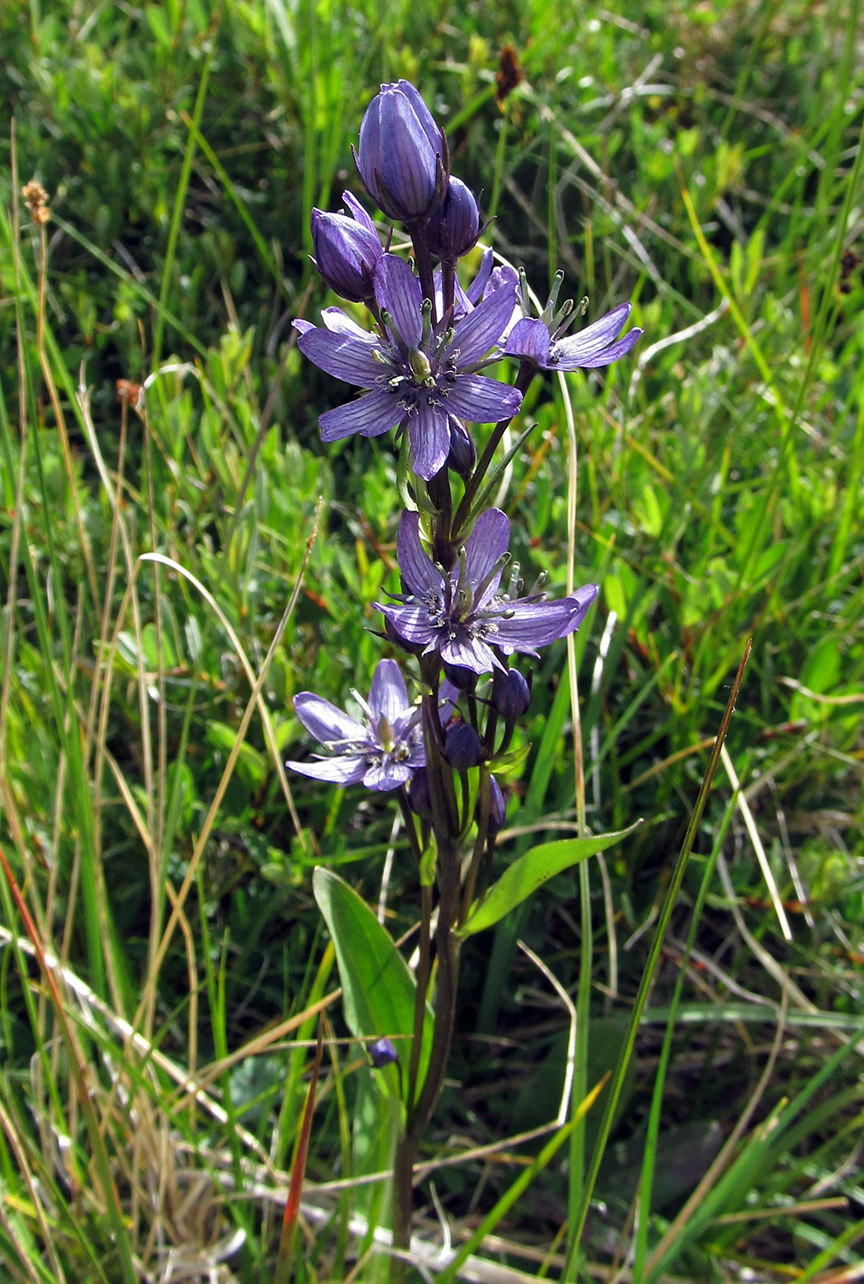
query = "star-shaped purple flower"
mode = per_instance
[
  {"x": 381, "y": 752},
  {"x": 597, "y": 345},
  {"x": 464, "y": 615},
  {"x": 417, "y": 375}
]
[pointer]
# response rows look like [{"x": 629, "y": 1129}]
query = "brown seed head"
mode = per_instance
[
  {"x": 35, "y": 198},
  {"x": 509, "y": 73},
  {"x": 132, "y": 393}
]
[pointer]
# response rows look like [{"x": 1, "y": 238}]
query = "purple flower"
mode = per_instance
[
  {"x": 417, "y": 374},
  {"x": 538, "y": 341},
  {"x": 347, "y": 250},
  {"x": 402, "y": 156},
  {"x": 382, "y": 1053},
  {"x": 464, "y": 615},
  {"x": 455, "y": 224},
  {"x": 382, "y": 751}
]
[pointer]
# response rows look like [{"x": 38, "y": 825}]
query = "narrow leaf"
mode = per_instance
[
  {"x": 531, "y": 871},
  {"x": 377, "y": 987}
]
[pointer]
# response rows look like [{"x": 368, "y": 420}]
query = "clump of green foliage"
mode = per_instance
[{"x": 701, "y": 159}]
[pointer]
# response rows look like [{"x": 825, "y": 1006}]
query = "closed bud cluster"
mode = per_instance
[{"x": 455, "y": 224}]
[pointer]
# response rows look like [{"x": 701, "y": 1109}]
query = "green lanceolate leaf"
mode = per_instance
[
  {"x": 530, "y": 872},
  {"x": 377, "y": 988}
]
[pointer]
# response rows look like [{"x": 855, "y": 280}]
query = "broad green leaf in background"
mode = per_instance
[
  {"x": 377, "y": 988},
  {"x": 531, "y": 871}
]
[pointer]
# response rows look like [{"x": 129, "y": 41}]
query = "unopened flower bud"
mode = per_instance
[
  {"x": 382, "y": 1053},
  {"x": 462, "y": 679},
  {"x": 497, "y": 809},
  {"x": 455, "y": 224},
  {"x": 462, "y": 747},
  {"x": 463, "y": 452},
  {"x": 401, "y": 153},
  {"x": 346, "y": 251},
  {"x": 419, "y": 796},
  {"x": 511, "y": 696}
]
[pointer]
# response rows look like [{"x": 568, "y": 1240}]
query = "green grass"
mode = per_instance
[{"x": 685, "y": 156}]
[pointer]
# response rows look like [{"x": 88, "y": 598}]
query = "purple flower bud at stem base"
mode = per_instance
[
  {"x": 419, "y": 796},
  {"x": 497, "y": 809},
  {"x": 462, "y": 747},
  {"x": 511, "y": 696},
  {"x": 382, "y": 1053}
]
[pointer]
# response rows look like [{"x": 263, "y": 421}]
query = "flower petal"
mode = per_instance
[
  {"x": 529, "y": 339},
  {"x": 340, "y": 323},
  {"x": 387, "y": 694},
  {"x": 387, "y": 774},
  {"x": 535, "y": 624},
  {"x": 398, "y": 290},
  {"x": 411, "y": 622},
  {"x": 429, "y": 430},
  {"x": 341, "y": 355},
  {"x": 469, "y": 653},
  {"x": 325, "y": 722},
  {"x": 335, "y": 771},
  {"x": 370, "y": 415},
  {"x": 482, "y": 400},
  {"x": 608, "y": 355},
  {"x": 486, "y": 544},
  {"x": 358, "y": 211},
  {"x": 593, "y": 339},
  {"x": 481, "y": 329},
  {"x": 419, "y": 575},
  {"x": 478, "y": 285}
]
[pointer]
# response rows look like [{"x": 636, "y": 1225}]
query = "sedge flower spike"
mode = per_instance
[
  {"x": 380, "y": 752},
  {"x": 464, "y": 615},
  {"x": 402, "y": 156},
  {"x": 419, "y": 376}
]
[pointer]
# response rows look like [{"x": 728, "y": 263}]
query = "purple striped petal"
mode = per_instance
[
  {"x": 595, "y": 337},
  {"x": 301, "y": 326},
  {"x": 370, "y": 416},
  {"x": 358, "y": 211},
  {"x": 337, "y": 321},
  {"x": 388, "y": 695},
  {"x": 419, "y": 574},
  {"x": 482, "y": 400},
  {"x": 535, "y": 624},
  {"x": 341, "y": 356},
  {"x": 481, "y": 329},
  {"x": 488, "y": 541},
  {"x": 336, "y": 771},
  {"x": 607, "y": 356},
  {"x": 529, "y": 339},
  {"x": 410, "y": 621},
  {"x": 478, "y": 285},
  {"x": 469, "y": 653},
  {"x": 325, "y": 722},
  {"x": 429, "y": 430},
  {"x": 398, "y": 290}
]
